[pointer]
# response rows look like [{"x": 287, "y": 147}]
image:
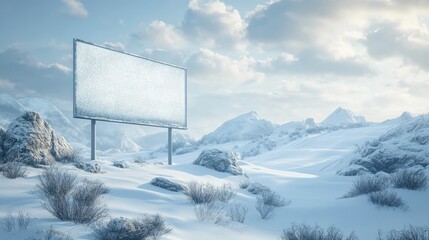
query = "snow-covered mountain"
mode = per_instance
[
  {"x": 10, "y": 109},
  {"x": 342, "y": 116},
  {"x": 159, "y": 140},
  {"x": 247, "y": 126}
]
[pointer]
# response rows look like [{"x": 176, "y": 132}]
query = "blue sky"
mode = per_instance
[{"x": 287, "y": 60}]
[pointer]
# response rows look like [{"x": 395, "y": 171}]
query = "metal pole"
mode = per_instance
[
  {"x": 92, "y": 139},
  {"x": 170, "y": 147}
]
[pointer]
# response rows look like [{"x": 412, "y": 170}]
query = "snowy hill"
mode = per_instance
[
  {"x": 406, "y": 145},
  {"x": 244, "y": 127},
  {"x": 341, "y": 117},
  {"x": 10, "y": 109}
]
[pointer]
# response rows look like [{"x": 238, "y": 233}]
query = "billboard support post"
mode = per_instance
[
  {"x": 170, "y": 146},
  {"x": 93, "y": 139}
]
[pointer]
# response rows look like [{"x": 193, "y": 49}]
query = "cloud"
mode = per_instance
[
  {"x": 21, "y": 75},
  {"x": 214, "y": 24},
  {"x": 388, "y": 40},
  {"x": 115, "y": 45},
  {"x": 6, "y": 84},
  {"x": 314, "y": 62},
  {"x": 162, "y": 35},
  {"x": 208, "y": 67},
  {"x": 75, "y": 8}
]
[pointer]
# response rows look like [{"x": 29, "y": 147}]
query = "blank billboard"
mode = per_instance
[{"x": 110, "y": 85}]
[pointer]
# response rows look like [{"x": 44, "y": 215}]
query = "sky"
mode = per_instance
[{"x": 286, "y": 60}]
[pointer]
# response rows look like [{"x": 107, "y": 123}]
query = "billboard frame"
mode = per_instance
[{"x": 94, "y": 119}]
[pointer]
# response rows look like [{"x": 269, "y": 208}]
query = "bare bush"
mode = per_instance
[
  {"x": 266, "y": 211},
  {"x": 267, "y": 202},
  {"x": 212, "y": 211},
  {"x": 237, "y": 212},
  {"x": 23, "y": 219},
  {"x": 307, "y": 232},
  {"x": 70, "y": 199},
  {"x": 386, "y": 199},
  {"x": 244, "y": 184},
  {"x": 14, "y": 170},
  {"x": 200, "y": 193},
  {"x": 225, "y": 193},
  {"x": 73, "y": 156},
  {"x": 367, "y": 184},
  {"x": 51, "y": 234},
  {"x": 407, "y": 233},
  {"x": 145, "y": 227},
  {"x": 8, "y": 222},
  {"x": 410, "y": 179}
]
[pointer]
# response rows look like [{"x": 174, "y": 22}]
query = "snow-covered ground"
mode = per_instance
[{"x": 301, "y": 170}]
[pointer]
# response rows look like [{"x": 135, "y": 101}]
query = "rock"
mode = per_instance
[
  {"x": 221, "y": 161},
  {"x": 91, "y": 167},
  {"x": 121, "y": 164},
  {"x": 31, "y": 140},
  {"x": 167, "y": 184},
  {"x": 2, "y": 138},
  {"x": 257, "y": 188}
]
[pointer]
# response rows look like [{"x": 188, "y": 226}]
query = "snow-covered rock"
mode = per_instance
[
  {"x": 121, "y": 164},
  {"x": 341, "y": 117},
  {"x": 219, "y": 160},
  {"x": 31, "y": 140},
  {"x": 244, "y": 127},
  {"x": 167, "y": 184}
]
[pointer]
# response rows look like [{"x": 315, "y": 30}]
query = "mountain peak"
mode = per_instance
[
  {"x": 342, "y": 116},
  {"x": 252, "y": 115}
]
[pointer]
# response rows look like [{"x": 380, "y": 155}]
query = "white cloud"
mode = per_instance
[
  {"x": 208, "y": 67},
  {"x": 162, "y": 35},
  {"x": 6, "y": 84},
  {"x": 75, "y": 8},
  {"x": 214, "y": 24}
]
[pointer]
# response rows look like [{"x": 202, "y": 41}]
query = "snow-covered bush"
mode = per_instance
[
  {"x": 121, "y": 164},
  {"x": 145, "y": 227},
  {"x": 410, "y": 232},
  {"x": 14, "y": 170},
  {"x": 367, "y": 184},
  {"x": 257, "y": 188},
  {"x": 70, "y": 199},
  {"x": 73, "y": 156},
  {"x": 211, "y": 211},
  {"x": 225, "y": 193},
  {"x": 91, "y": 167},
  {"x": 410, "y": 179},
  {"x": 244, "y": 184},
  {"x": 307, "y": 232},
  {"x": 200, "y": 193},
  {"x": 386, "y": 199},
  {"x": 23, "y": 220},
  {"x": 267, "y": 202},
  {"x": 237, "y": 212},
  {"x": 8, "y": 222}
]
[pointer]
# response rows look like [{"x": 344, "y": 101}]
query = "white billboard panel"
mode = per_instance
[{"x": 115, "y": 86}]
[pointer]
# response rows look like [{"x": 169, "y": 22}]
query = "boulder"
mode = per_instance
[
  {"x": 219, "y": 160},
  {"x": 31, "y": 140},
  {"x": 167, "y": 184}
]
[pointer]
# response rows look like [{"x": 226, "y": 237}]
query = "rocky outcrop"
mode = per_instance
[
  {"x": 31, "y": 140},
  {"x": 221, "y": 161},
  {"x": 2, "y": 137},
  {"x": 167, "y": 184}
]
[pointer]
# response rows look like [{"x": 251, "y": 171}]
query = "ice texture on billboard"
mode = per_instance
[{"x": 114, "y": 86}]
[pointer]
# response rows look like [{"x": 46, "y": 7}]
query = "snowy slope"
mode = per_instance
[
  {"x": 342, "y": 116},
  {"x": 10, "y": 109},
  {"x": 244, "y": 127}
]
